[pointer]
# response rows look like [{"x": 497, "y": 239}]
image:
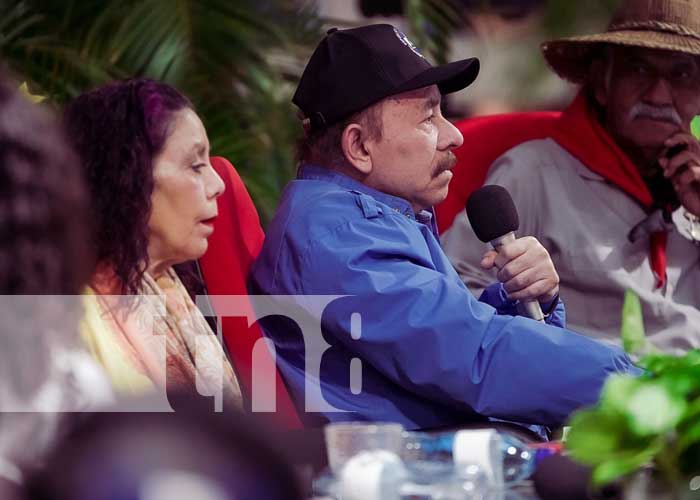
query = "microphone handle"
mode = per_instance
[{"x": 529, "y": 308}]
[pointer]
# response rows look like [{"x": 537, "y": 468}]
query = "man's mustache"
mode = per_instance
[
  {"x": 446, "y": 162},
  {"x": 663, "y": 113}
]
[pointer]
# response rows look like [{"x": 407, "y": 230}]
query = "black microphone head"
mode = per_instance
[
  {"x": 558, "y": 477},
  {"x": 492, "y": 213}
]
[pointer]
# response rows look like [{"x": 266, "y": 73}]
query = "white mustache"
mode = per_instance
[{"x": 664, "y": 113}]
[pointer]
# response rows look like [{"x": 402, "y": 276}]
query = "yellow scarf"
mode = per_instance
[{"x": 155, "y": 340}]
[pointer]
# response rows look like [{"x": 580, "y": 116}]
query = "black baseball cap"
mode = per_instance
[{"x": 354, "y": 68}]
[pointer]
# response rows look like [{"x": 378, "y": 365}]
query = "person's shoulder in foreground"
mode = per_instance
[
  {"x": 357, "y": 223},
  {"x": 613, "y": 192}
]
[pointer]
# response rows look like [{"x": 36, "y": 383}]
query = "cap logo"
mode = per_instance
[{"x": 408, "y": 43}]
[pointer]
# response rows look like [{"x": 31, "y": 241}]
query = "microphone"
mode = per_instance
[
  {"x": 665, "y": 202},
  {"x": 558, "y": 477},
  {"x": 494, "y": 218}
]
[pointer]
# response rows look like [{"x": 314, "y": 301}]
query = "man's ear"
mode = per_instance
[
  {"x": 598, "y": 76},
  {"x": 353, "y": 143}
]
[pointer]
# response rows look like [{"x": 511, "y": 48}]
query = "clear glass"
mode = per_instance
[
  {"x": 344, "y": 440},
  {"x": 428, "y": 457},
  {"x": 472, "y": 484},
  {"x": 518, "y": 460},
  {"x": 431, "y": 456}
]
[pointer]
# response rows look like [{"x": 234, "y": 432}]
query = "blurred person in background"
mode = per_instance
[
  {"x": 358, "y": 223},
  {"x": 44, "y": 265},
  {"x": 193, "y": 454},
  {"x": 613, "y": 193},
  {"x": 145, "y": 155}
]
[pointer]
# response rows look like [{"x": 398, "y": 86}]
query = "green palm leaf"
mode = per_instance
[
  {"x": 237, "y": 61},
  {"x": 432, "y": 22}
]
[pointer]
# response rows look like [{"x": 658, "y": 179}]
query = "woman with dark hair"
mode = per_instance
[
  {"x": 145, "y": 154},
  {"x": 44, "y": 265}
]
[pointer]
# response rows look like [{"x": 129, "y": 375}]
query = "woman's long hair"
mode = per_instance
[{"x": 118, "y": 130}]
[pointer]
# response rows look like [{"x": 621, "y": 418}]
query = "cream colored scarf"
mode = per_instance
[{"x": 194, "y": 359}]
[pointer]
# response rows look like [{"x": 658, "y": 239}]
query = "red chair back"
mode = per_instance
[
  {"x": 233, "y": 247},
  {"x": 485, "y": 139}
]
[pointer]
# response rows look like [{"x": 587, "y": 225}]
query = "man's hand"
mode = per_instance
[
  {"x": 525, "y": 269},
  {"x": 683, "y": 170}
]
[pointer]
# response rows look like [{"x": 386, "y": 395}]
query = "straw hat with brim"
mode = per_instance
[{"x": 655, "y": 24}]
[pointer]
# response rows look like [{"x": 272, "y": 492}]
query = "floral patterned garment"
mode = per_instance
[{"x": 128, "y": 339}]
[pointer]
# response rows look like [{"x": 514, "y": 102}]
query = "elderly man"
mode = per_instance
[
  {"x": 613, "y": 193},
  {"x": 357, "y": 223}
]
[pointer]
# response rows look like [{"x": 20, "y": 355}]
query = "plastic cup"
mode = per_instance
[{"x": 344, "y": 440}]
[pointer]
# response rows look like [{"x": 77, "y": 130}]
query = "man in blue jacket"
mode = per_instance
[{"x": 357, "y": 223}]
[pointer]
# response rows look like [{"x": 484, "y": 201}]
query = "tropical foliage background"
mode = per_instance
[{"x": 238, "y": 60}]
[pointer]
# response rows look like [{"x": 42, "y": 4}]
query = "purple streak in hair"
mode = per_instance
[{"x": 118, "y": 130}]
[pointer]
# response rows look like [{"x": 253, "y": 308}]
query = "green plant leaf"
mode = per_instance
[
  {"x": 695, "y": 127},
  {"x": 617, "y": 391},
  {"x": 681, "y": 382},
  {"x": 237, "y": 61},
  {"x": 632, "y": 331},
  {"x": 594, "y": 436},
  {"x": 653, "y": 410},
  {"x": 690, "y": 438},
  {"x": 692, "y": 412},
  {"x": 623, "y": 464},
  {"x": 431, "y": 23}
]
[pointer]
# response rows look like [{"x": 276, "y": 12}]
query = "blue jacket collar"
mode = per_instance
[{"x": 315, "y": 172}]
